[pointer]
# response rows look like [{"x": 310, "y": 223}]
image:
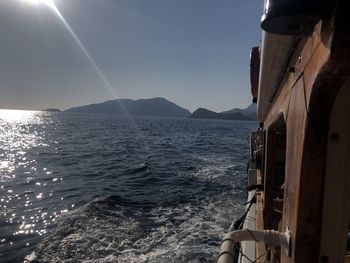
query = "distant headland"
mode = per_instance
[
  {"x": 160, "y": 107},
  {"x": 247, "y": 114}
]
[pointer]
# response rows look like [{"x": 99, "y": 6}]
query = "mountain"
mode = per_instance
[
  {"x": 207, "y": 114},
  {"x": 143, "y": 107},
  {"x": 251, "y": 108},
  {"x": 202, "y": 113},
  {"x": 249, "y": 112}
]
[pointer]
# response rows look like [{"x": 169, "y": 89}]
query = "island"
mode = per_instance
[
  {"x": 248, "y": 114},
  {"x": 158, "y": 107}
]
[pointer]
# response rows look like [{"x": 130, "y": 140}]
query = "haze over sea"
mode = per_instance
[{"x": 102, "y": 188}]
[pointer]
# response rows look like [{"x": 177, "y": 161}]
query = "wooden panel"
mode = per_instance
[
  {"x": 295, "y": 137},
  {"x": 274, "y": 56},
  {"x": 329, "y": 65},
  {"x": 306, "y": 148},
  {"x": 309, "y": 55},
  {"x": 279, "y": 108},
  {"x": 260, "y": 247},
  {"x": 321, "y": 63},
  {"x": 307, "y": 236},
  {"x": 317, "y": 61},
  {"x": 336, "y": 212},
  {"x": 322, "y": 74},
  {"x": 268, "y": 182},
  {"x": 327, "y": 70}
]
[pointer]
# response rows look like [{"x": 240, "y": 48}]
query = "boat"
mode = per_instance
[{"x": 298, "y": 206}]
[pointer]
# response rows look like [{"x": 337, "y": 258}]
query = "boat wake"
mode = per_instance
[{"x": 115, "y": 229}]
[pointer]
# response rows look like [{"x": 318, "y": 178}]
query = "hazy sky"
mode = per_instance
[{"x": 192, "y": 52}]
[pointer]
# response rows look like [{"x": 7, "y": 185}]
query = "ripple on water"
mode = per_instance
[{"x": 174, "y": 186}]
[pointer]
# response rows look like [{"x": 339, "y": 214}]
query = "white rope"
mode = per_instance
[{"x": 271, "y": 237}]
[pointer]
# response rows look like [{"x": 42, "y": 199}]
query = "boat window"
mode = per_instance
[{"x": 274, "y": 176}]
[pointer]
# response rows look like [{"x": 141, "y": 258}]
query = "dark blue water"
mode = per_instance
[{"x": 100, "y": 188}]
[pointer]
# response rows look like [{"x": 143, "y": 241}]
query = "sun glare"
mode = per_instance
[
  {"x": 49, "y": 3},
  {"x": 16, "y": 115}
]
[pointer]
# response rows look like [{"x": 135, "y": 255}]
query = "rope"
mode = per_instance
[
  {"x": 243, "y": 255},
  {"x": 260, "y": 256},
  {"x": 252, "y": 235},
  {"x": 271, "y": 237},
  {"x": 251, "y": 201},
  {"x": 238, "y": 224}
]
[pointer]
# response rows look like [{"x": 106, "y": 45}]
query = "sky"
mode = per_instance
[{"x": 192, "y": 52}]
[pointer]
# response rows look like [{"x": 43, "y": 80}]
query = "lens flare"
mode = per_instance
[
  {"x": 48, "y": 3},
  {"x": 51, "y": 4}
]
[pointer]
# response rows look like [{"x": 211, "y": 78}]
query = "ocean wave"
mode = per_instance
[
  {"x": 115, "y": 229},
  {"x": 164, "y": 192}
]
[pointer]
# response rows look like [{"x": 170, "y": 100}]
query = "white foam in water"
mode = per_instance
[
  {"x": 85, "y": 234},
  {"x": 186, "y": 233},
  {"x": 30, "y": 258},
  {"x": 215, "y": 167},
  {"x": 194, "y": 238},
  {"x": 177, "y": 232}
]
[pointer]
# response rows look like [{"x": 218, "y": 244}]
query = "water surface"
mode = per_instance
[{"x": 102, "y": 188}]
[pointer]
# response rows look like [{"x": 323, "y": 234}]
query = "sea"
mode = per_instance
[{"x": 105, "y": 188}]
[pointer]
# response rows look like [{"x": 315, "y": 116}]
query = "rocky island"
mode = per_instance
[
  {"x": 248, "y": 114},
  {"x": 158, "y": 107}
]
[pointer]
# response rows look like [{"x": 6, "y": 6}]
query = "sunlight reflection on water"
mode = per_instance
[
  {"x": 55, "y": 164},
  {"x": 16, "y": 115},
  {"x": 23, "y": 136},
  {"x": 16, "y": 138}
]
